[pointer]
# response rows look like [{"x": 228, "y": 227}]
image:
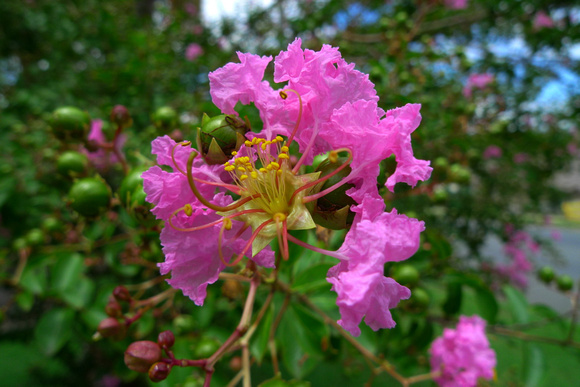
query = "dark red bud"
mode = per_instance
[
  {"x": 120, "y": 116},
  {"x": 112, "y": 328},
  {"x": 166, "y": 339},
  {"x": 159, "y": 371},
  {"x": 122, "y": 294},
  {"x": 113, "y": 308},
  {"x": 141, "y": 355}
]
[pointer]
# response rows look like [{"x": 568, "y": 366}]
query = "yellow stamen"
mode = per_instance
[
  {"x": 284, "y": 149},
  {"x": 187, "y": 209},
  {"x": 333, "y": 156},
  {"x": 227, "y": 223},
  {"x": 243, "y": 177},
  {"x": 283, "y": 156},
  {"x": 279, "y": 138}
]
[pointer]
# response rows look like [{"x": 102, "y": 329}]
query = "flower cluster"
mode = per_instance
[
  {"x": 519, "y": 246},
  {"x": 477, "y": 81},
  {"x": 325, "y": 107},
  {"x": 463, "y": 355}
]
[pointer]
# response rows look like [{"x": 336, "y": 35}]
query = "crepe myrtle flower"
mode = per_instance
[
  {"x": 326, "y": 106},
  {"x": 461, "y": 356}
]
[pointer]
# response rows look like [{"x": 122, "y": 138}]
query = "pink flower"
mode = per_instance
[
  {"x": 542, "y": 20},
  {"x": 520, "y": 158},
  {"x": 517, "y": 249},
  {"x": 103, "y": 158},
  {"x": 478, "y": 81},
  {"x": 463, "y": 355},
  {"x": 325, "y": 106},
  {"x": 556, "y": 235},
  {"x": 492, "y": 152},
  {"x": 193, "y": 51},
  {"x": 456, "y": 4}
]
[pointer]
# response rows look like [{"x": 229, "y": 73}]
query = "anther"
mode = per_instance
[
  {"x": 243, "y": 177},
  {"x": 283, "y": 95},
  {"x": 254, "y": 175},
  {"x": 279, "y": 138},
  {"x": 284, "y": 149},
  {"x": 234, "y": 153},
  {"x": 241, "y": 169},
  {"x": 187, "y": 209},
  {"x": 227, "y": 223},
  {"x": 248, "y": 143},
  {"x": 283, "y": 156},
  {"x": 279, "y": 217},
  {"x": 185, "y": 143},
  {"x": 275, "y": 165},
  {"x": 333, "y": 156}
]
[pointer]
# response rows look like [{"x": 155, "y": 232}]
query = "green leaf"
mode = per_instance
[
  {"x": 534, "y": 365},
  {"x": 34, "y": 278},
  {"x": 452, "y": 304},
  {"x": 82, "y": 294},
  {"x": 486, "y": 303},
  {"x": 53, "y": 330},
  {"x": 278, "y": 382},
  {"x": 25, "y": 300},
  {"x": 66, "y": 272},
  {"x": 312, "y": 279},
  {"x": 518, "y": 304}
]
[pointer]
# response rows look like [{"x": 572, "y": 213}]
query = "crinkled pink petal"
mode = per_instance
[
  {"x": 400, "y": 123},
  {"x": 374, "y": 239}
]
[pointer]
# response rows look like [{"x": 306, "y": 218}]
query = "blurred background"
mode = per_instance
[{"x": 499, "y": 85}]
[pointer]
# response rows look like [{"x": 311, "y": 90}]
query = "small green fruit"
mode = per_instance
[
  {"x": 89, "y": 196},
  {"x": 71, "y": 123},
  {"x": 72, "y": 163},
  {"x": 420, "y": 299},
  {"x": 130, "y": 183},
  {"x": 546, "y": 274},
  {"x": 35, "y": 237},
  {"x": 564, "y": 282},
  {"x": 406, "y": 275},
  {"x": 52, "y": 224},
  {"x": 165, "y": 118}
]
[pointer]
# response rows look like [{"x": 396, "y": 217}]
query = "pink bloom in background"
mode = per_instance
[
  {"x": 191, "y": 9},
  {"x": 477, "y": 81},
  {"x": 463, "y": 355},
  {"x": 572, "y": 149},
  {"x": 520, "y": 158},
  {"x": 197, "y": 29},
  {"x": 338, "y": 106},
  {"x": 492, "y": 152},
  {"x": 517, "y": 249},
  {"x": 542, "y": 20},
  {"x": 101, "y": 158},
  {"x": 456, "y": 4},
  {"x": 556, "y": 235},
  {"x": 193, "y": 51}
]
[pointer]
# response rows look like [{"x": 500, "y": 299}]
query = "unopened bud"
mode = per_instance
[
  {"x": 159, "y": 371},
  {"x": 70, "y": 123},
  {"x": 165, "y": 118},
  {"x": 120, "y": 116},
  {"x": 333, "y": 209},
  {"x": 166, "y": 339},
  {"x": 122, "y": 294},
  {"x": 112, "y": 328},
  {"x": 113, "y": 308},
  {"x": 219, "y": 136},
  {"x": 141, "y": 355}
]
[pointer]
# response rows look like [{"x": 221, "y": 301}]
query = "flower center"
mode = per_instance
[{"x": 263, "y": 173}]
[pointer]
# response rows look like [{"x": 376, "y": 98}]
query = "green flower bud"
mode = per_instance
[
  {"x": 72, "y": 163},
  {"x": 546, "y": 274},
  {"x": 406, "y": 275},
  {"x": 141, "y": 355},
  {"x": 52, "y": 224},
  {"x": 219, "y": 136},
  {"x": 35, "y": 237},
  {"x": 129, "y": 184},
  {"x": 89, "y": 196},
  {"x": 565, "y": 282},
  {"x": 459, "y": 174},
  {"x": 70, "y": 123},
  {"x": 164, "y": 118},
  {"x": 333, "y": 209}
]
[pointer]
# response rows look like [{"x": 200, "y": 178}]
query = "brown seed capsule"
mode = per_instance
[
  {"x": 159, "y": 371},
  {"x": 166, "y": 339},
  {"x": 112, "y": 328}
]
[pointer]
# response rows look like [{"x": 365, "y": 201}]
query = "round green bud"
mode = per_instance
[
  {"x": 459, "y": 174},
  {"x": 164, "y": 118},
  {"x": 440, "y": 194},
  {"x": 546, "y": 274},
  {"x": 420, "y": 299},
  {"x": 440, "y": 162},
  {"x": 406, "y": 275},
  {"x": 52, "y": 224},
  {"x": 564, "y": 282},
  {"x": 219, "y": 136},
  {"x": 130, "y": 183},
  {"x": 35, "y": 237},
  {"x": 19, "y": 244},
  {"x": 72, "y": 163},
  {"x": 89, "y": 196},
  {"x": 205, "y": 347},
  {"x": 70, "y": 123},
  {"x": 333, "y": 209}
]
